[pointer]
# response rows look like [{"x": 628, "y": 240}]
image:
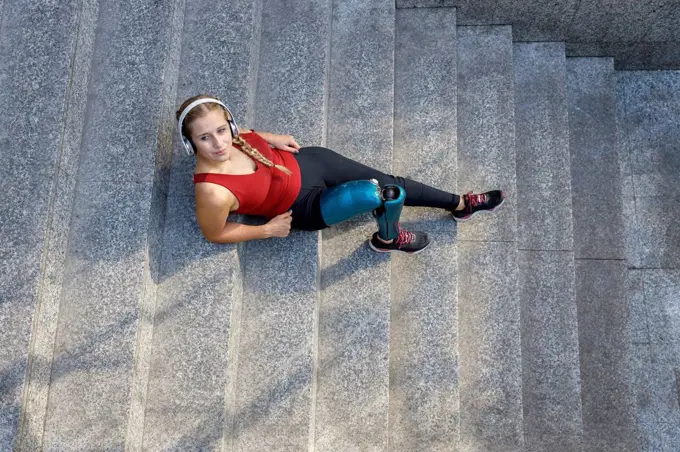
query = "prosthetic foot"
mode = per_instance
[{"x": 344, "y": 201}]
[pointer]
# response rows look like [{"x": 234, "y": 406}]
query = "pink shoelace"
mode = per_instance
[
  {"x": 476, "y": 200},
  {"x": 404, "y": 237}
]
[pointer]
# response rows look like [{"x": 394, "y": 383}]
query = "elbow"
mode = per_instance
[{"x": 219, "y": 239}]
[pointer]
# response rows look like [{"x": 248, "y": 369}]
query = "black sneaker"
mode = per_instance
[
  {"x": 406, "y": 242},
  {"x": 474, "y": 204}
]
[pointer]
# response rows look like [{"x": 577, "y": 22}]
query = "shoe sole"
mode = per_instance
[
  {"x": 397, "y": 251},
  {"x": 463, "y": 220}
]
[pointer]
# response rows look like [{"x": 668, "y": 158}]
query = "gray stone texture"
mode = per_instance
[
  {"x": 352, "y": 379},
  {"x": 652, "y": 56},
  {"x": 638, "y": 309},
  {"x": 99, "y": 313},
  {"x": 618, "y": 50},
  {"x": 542, "y": 148},
  {"x": 540, "y": 20},
  {"x": 275, "y": 381},
  {"x": 486, "y": 127},
  {"x": 192, "y": 359},
  {"x": 45, "y": 316},
  {"x": 648, "y": 111},
  {"x": 656, "y": 386},
  {"x": 111, "y": 252},
  {"x": 352, "y": 362},
  {"x": 425, "y": 3},
  {"x": 595, "y": 169},
  {"x": 198, "y": 281},
  {"x": 666, "y": 23},
  {"x": 550, "y": 354},
  {"x": 662, "y": 299},
  {"x": 423, "y": 407},
  {"x": 606, "y": 355},
  {"x": 561, "y": 443},
  {"x": 648, "y": 107},
  {"x": 424, "y": 412},
  {"x": 638, "y": 34},
  {"x": 614, "y": 20},
  {"x": 37, "y": 48},
  {"x": 489, "y": 348},
  {"x": 425, "y": 107}
]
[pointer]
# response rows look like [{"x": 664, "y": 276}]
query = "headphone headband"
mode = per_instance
[{"x": 185, "y": 140}]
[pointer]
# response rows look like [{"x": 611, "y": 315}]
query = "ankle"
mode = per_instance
[
  {"x": 383, "y": 241},
  {"x": 461, "y": 204}
]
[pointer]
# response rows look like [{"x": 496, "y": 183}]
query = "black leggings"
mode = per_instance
[{"x": 322, "y": 168}]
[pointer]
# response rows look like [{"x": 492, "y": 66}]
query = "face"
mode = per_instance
[{"x": 212, "y": 136}]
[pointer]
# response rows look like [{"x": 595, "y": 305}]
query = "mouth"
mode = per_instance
[{"x": 222, "y": 152}]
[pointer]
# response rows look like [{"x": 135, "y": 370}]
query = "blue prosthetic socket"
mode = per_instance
[{"x": 346, "y": 200}]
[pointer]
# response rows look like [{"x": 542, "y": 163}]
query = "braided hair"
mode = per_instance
[{"x": 203, "y": 109}]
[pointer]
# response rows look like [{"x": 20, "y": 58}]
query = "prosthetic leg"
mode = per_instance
[{"x": 346, "y": 200}]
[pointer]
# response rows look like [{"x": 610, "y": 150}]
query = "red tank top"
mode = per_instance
[{"x": 267, "y": 192}]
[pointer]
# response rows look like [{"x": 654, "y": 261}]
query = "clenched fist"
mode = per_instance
[{"x": 279, "y": 226}]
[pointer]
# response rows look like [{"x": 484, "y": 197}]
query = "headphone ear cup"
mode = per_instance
[{"x": 188, "y": 145}]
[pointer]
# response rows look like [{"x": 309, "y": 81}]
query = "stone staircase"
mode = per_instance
[{"x": 551, "y": 325}]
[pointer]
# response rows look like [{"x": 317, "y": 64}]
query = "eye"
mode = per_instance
[
  {"x": 222, "y": 130},
  {"x": 203, "y": 138}
]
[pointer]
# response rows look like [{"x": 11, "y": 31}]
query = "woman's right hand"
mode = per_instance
[{"x": 279, "y": 226}]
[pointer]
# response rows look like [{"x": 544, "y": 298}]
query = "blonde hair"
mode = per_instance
[{"x": 203, "y": 109}]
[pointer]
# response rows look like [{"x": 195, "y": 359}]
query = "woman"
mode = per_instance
[{"x": 306, "y": 188}]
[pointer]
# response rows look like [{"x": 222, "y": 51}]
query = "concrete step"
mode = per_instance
[
  {"x": 354, "y": 312},
  {"x": 44, "y": 67},
  {"x": 274, "y": 388},
  {"x": 595, "y": 170},
  {"x": 542, "y": 148},
  {"x": 648, "y": 110},
  {"x": 96, "y": 380},
  {"x": 192, "y": 358},
  {"x": 550, "y": 356},
  {"x": 423, "y": 405},
  {"x": 606, "y": 358},
  {"x": 489, "y": 341}
]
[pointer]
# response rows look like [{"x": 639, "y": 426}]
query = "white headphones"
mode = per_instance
[{"x": 185, "y": 140}]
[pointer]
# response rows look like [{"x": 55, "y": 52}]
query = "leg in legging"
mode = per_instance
[{"x": 337, "y": 169}]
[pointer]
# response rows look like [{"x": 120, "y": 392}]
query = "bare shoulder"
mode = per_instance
[
  {"x": 215, "y": 196},
  {"x": 213, "y": 204}
]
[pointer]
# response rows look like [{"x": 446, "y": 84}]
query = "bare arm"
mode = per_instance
[
  {"x": 237, "y": 232},
  {"x": 213, "y": 205}
]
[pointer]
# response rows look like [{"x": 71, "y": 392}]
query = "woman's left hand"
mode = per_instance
[{"x": 284, "y": 142}]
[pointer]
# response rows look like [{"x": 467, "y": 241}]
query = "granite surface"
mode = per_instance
[
  {"x": 424, "y": 371},
  {"x": 106, "y": 292},
  {"x": 550, "y": 356},
  {"x": 540, "y": 20},
  {"x": 192, "y": 357},
  {"x": 489, "y": 347},
  {"x": 425, "y": 107},
  {"x": 595, "y": 169},
  {"x": 542, "y": 147},
  {"x": 274, "y": 386},
  {"x": 638, "y": 34},
  {"x": 615, "y": 20},
  {"x": 187, "y": 376},
  {"x": 639, "y": 316},
  {"x": 352, "y": 376},
  {"x": 486, "y": 127},
  {"x": 606, "y": 355},
  {"x": 37, "y": 44},
  {"x": 423, "y": 410},
  {"x": 662, "y": 299}
]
